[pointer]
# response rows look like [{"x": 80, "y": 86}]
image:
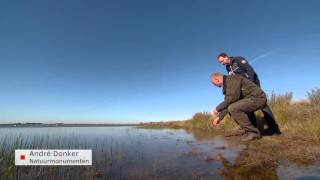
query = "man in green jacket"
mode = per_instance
[
  {"x": 239, "y": 65},
  {"x": 241, "y": 96}
]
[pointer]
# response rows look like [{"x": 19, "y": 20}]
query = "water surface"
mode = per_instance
[{"x": 133, "y": 153}]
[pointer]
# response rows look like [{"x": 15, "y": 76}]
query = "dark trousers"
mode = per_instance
[
  {"x": 252, "y": 119},
  {"x": 239, "y": 112},
  {"x": 270, "y": 119}
]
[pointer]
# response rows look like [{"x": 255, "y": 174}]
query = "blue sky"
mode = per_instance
[{"x": 125, "y": 61}]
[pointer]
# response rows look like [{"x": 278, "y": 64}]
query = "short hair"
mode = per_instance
[
  {"x": 222, "y": 55},
  {"x": 215, "y": 74}
]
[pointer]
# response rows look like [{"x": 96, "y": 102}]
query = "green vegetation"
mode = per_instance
[{"x": 302, "y": 117}]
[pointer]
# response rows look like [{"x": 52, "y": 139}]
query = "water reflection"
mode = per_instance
[{"x": 235, "y": 171}]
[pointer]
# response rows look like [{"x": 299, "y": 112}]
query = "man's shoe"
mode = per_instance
[
  {"x": 277, "y": 132},
  {"x": 250, "y": 136},
  {"x": 238, "y": 132},
  {"x": 270, "y": 132}
]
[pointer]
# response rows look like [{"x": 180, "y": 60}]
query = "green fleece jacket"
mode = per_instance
[{"x": 236, "y": 87}]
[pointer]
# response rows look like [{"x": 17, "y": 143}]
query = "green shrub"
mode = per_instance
[
  {"x": 298, "y": 117},
  {"x": 280, "y": 104},
  {"x": 314, "y": 96},
  {"x": 202, "y": 120}
]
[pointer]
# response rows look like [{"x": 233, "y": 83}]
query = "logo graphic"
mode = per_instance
[{"x": 22, "y": 157}]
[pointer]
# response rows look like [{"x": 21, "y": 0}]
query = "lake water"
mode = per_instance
[{"x": 133, "y": 153}]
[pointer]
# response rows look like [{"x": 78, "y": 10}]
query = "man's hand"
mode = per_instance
[
  {"x": 219, "y": 157},
  {"x": 215, "y": 113},
  {"x": 216, "y": 121}
]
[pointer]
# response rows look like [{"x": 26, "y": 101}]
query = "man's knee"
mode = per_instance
[{"x": 233, "y": 108}]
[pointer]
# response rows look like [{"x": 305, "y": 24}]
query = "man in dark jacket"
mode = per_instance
[
  {"x": 241, "y": 96},
  {"x": 239, "y": 65}
]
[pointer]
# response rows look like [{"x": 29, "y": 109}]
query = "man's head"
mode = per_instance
[
  {"x": 217, "y": 79},
  {"x": 223, "y": 58}
]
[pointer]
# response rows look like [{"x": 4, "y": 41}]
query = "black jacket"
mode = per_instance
[{"x": 239, "y": 65}]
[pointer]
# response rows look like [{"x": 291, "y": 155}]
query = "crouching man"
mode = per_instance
[{"x": 241, "y": 96}]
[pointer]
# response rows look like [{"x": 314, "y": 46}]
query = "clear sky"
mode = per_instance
[{"x": 124, "y": 61}]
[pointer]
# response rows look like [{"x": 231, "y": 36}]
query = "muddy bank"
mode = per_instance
[{"x": 262, "y": 158}]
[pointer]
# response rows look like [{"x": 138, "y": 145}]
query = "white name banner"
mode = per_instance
[{"x": 53, "y": 157}]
